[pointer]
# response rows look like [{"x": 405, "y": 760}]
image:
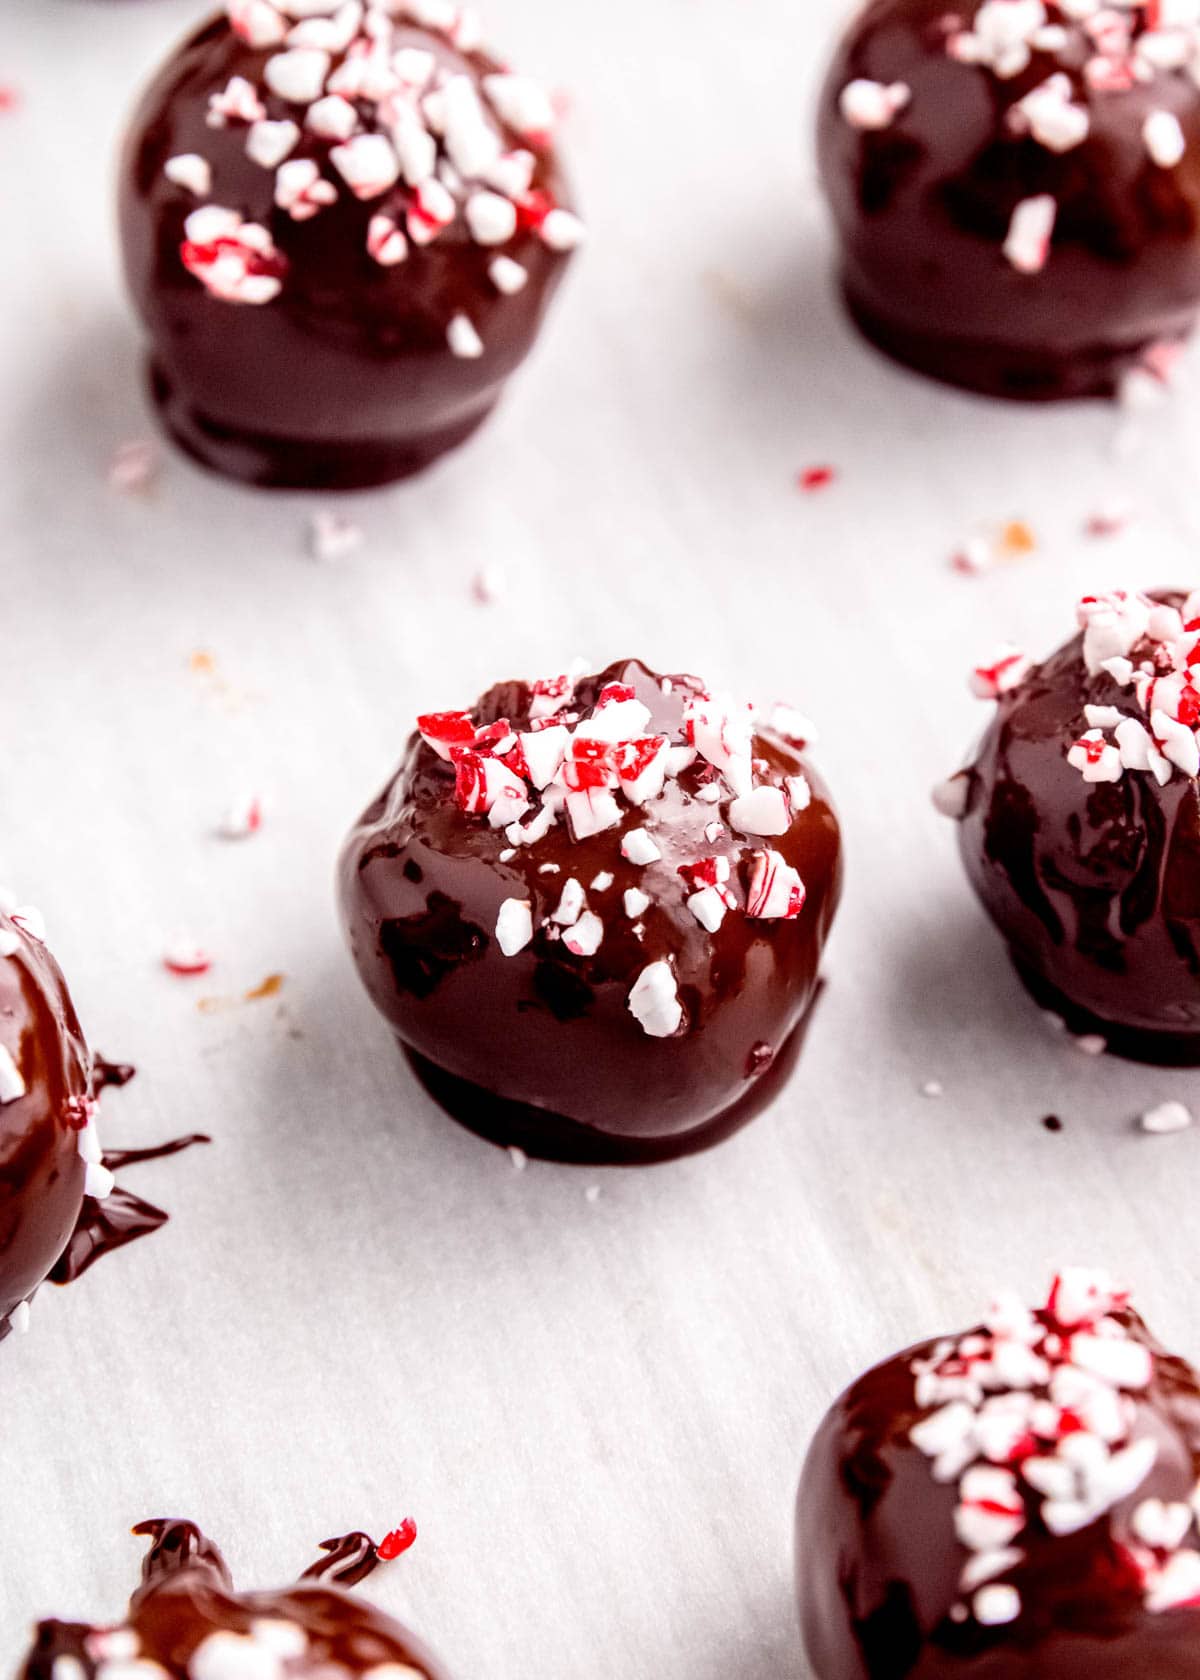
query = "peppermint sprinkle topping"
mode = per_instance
[
  {"x": 423, "y": 142},
  {"x": 596, "y": 767},
  {"x": 1030, "y": 231},
  {"x": 1035, "y": 1416}
]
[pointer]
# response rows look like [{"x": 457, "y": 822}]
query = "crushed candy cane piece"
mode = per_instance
[
  {"x": 871, "y": 105},
  {"x": 654, "y": 1001},
  {"x": 184, "y": 957},
  {"x": 514, "y": 925},
  {"x": 1166, "y": 1118},
  {"x": 332, "y": 536}
]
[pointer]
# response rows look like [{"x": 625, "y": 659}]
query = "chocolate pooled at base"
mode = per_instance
[
  {"x": 186, "y": 1622},
  {"x": 1016, "y": 188},
  {"x": 342, "y": 226},
  {"x": 1018, "y": 1503},
  {"x": 1080, "y": 822},
  {"x": 594, "y": 909}
]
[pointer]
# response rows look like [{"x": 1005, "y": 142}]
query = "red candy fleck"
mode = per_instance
[
  {"x": 398, "y": 1541},
  {"x": 816, "y": 478},
  {"x": 613, "y": 692},
  {"x": 10, "y": 99},
  {"x": 533, "y": 209},
  {"x": 633, "y": 758},
  {"x": 452, "y": 729}
]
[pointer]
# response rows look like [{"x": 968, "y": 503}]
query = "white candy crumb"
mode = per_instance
[{"x": 1167, "y": 1117}]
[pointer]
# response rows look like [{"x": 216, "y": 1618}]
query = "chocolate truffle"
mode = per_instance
[
  {"x": 1080, "y": 822},
  {"x": 186, "y": 1622},
  {"x": 1015, "y": 186},
  {"x": 49, "y": 1156},
  {"x": 593, "y": 908},
  {"x": 1017, "y": 1503},
  {"x": 342, "y": 225}
]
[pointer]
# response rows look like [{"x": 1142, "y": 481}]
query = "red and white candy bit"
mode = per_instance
[
  {"x": 301, "y": 190},
  {"x": 185, "y": 958},
  {"x": 776, "y": 891},
  {"x": 445, "y": 730},
  {"x": 873, "y": 105},
  {"x": 385, "y": 242},
  {"x": 241, "y": 819},
  {"x": 257, "y": 22},
  {"x": 1027, "y": 245},
  {"x": 1007, "y": 671},
  {"x": 1163, "y": 678},
  {"x": 1033, "y": 1416},
  {"x": 235, "y": 260},
  {"x": 514, "y": 925},
  {"x": 191, "y": 172},
  {"x": 236, "y": 102},
  {"x": 654, "y": 1001}
]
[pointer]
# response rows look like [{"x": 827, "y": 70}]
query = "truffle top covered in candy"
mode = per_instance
[
  {"x": 307, "y": 148},
  {"x": 49, "y": 1156},
  {"x": 186, "y": 1622},
  {"x": 1031, "y": 1482},
  {"x": 681, "y": 793}
]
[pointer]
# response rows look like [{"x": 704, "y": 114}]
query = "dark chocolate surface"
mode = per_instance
[
  {"x": 923, "y": 207},
  {"x": 346, "y": 377},
  {"x": 421, "y": 888},
  {"x": 41, "y": 1169},
  {"x": 186, "y": 1618},
  {"x": 1095, "y": 886},
  {"x": 879, "y": 1563}
]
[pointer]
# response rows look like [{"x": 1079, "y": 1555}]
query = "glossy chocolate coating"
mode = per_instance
[
  {"x": 542, "y": 1045},
  {"x": 345, "y": 379},
  {"x": 923, "y": 207},
  {"x": 186, "y": 1596},
  {"x": 41, "y": 1170},
  {"x": 1095, "y": 886},
  {"x": 878, "y": 1563}
]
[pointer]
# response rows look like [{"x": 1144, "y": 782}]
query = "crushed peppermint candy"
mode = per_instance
[
  {"x": 1166, "y": 1118},
  {"x": 332, "y": 536},
  {"x": 598, "y": 765},
  {"x": 421, "y": 141},
  {"x": 185, "y": 958},
  {"x": 873, "y": 105},
  {"x": 135, "y": 465},
  {"x": 1034, "y": 1418},
  {"x": 12, "y": 1081},
  {"x": 1007, "y": 671},
  {"x": 1027, "y": 245}
]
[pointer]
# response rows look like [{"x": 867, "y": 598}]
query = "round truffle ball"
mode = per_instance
[
  {"x": 1080, "y": 822},
  {"x": 594, "y": 908},
  {"x": 187, "y": 1622},
  {"x": 342, "y": 225},
  {"x": 1015, "y": 1503},
  {"x": 46, "y": 1131},
  {"x": 1015, "y": 185}
]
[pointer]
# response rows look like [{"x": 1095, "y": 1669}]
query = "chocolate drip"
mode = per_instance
[
  {"x": 177, "y": 1545},
  {"x": 121, "y": 1218},
  {"x": 186, "y": 1596},
  {"x": 352, "y": 1557},
  {"x": 108, "y": 1075}
]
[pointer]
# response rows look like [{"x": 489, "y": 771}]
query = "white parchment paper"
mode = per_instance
[{"x": 596, "y": 1410}]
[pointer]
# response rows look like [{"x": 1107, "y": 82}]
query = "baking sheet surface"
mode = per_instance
[{"x": 595, "y": 1408}]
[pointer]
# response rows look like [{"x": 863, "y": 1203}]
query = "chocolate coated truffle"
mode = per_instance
[
  {"x": 186, "y": 1621},
  {"x": 1080, "y": 822},
  {"x": 1015, "y": 186},
  {"x": 1018, "y": 1503},
  {"x": 594, "y": 910},
  {"x": 342, "y": 225},
  {"x": 49, "y": 1158}
]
